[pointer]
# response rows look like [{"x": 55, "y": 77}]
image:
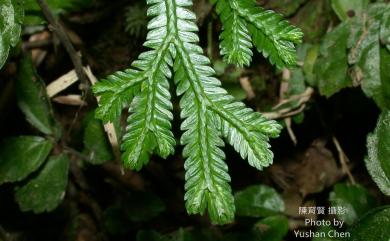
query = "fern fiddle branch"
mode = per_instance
[
  {"x": 209, "y": 114},
  {"x": 244, "y": 24}
]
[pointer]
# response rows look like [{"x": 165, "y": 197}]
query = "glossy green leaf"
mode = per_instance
[
  {"x": 346, "y": 9},
  {"x": 332, "y": 66},
  {"x": 96, "y": 145},
  {"x": 373, "y": 66},
  {"x": 272, "y": 228},
  {"x": 33, "y": 100},
  {"x": 371, "y": 60},
  {"x": 378, "y": 145},
  {"x": 374, "y": 226},
  {"x": 258, "y": 201},
  {"x": 354, "y": 198},
  {"x": 11, "y": 18},
  {"x": 20, "y": 156},
  {"x": 46, "y": 191}
]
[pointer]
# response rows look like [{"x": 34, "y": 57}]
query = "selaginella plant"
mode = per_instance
[{"x": 208, "y": 112}]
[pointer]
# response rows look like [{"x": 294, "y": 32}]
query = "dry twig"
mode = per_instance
[
  {"x": 343, "y": 160},
  {"x": 58, "y": 29}
]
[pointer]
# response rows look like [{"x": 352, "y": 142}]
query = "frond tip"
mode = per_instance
[
  {"x": 244, "y": 24},
  {"x": 208, "y": 112}
]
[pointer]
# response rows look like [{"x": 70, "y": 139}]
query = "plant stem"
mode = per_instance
[{"x": 58, "y": 29}]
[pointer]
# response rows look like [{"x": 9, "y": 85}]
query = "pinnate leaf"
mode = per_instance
[
  {"x": 208, "y": 112},
  {"x": 245, "y": 23}
]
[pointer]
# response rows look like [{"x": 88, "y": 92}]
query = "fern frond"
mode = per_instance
[
  {"x": 236, "y": 42},
  {"x": 247, "y": 131},
  {"x": 116, "y": 92},
  {"x": 271, "y": 35},
  {"x": 206, "y": 107},
  {"x": 149, "y": 123},
  {"x": 208, "y": 112},
  {"x": 206, "y": 172},
  {"x": 149, "y": 127},
  {"x": 207, "y": 180}
]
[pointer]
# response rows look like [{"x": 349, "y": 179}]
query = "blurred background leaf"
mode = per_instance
[
  {"x": 33, "y": 100},
  {"x": 11, "y": 19},
  {"x": 354, "y": 198},
  {"x": 20, "y": 156},
  {"x": 378, "y": 145},
  {"x": 46, "y": 191},
  {"x": 258, "y": 201},
  {"x": 374, "y": 226}
]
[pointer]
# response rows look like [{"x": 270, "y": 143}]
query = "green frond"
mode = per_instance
[
  {"x": 116, "y": 92},
  {"x": 247, "y": 131},
  {"x": 207, "y": 180},
  {"x": 149, "y": 124},
  {"x": 208, "y": 112},
  {"x": 270, "y": 34},
  {"x": 236, "y": 42}
]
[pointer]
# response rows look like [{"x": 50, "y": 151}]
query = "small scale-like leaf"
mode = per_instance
[
  {"x": 46, "y": 191},
  {"x": 33, "y": 100},
  {"x": 20, "y": 156},
  {"x": 378, "y": 145},
  {"x": 11, "y": 18},
  {"x": 258, "y": 201},
  {"x": 373, "y": 226},
  {"x": 354, "y": 198}
]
